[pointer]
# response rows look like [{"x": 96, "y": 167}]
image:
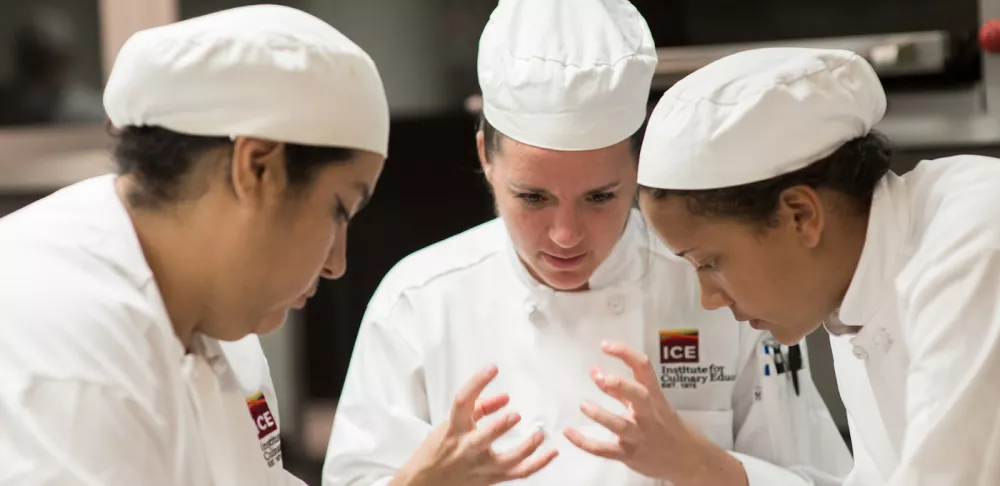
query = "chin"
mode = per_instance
[
  {"x": 789, "y": 336},
  {"x": 566, "y": 282},
  {"x": 272, "y": 322}
]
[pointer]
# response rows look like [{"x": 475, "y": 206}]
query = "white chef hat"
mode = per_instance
[
  {"x": 758, "y": 114},
  {"x": 261, "y": 71},
  {"x": 566, "y": 74}
]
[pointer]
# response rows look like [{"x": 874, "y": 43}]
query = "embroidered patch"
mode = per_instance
[
  {"x": 679, "y": 346},
  {"x": 267, "y": 428},
  {"x": 680, "y": 362}
]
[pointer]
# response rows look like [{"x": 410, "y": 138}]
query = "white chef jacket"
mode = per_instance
[
  {"x": 447, "y": 311},
  {"x": 95, "y": 387},
  {"x": 921, "y": 379}
]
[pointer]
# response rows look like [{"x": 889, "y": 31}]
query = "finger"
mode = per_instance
[
  {"x": 482, "y": 437},
  {"x": 621, "y": 426},
  {"x": 465, "y": 400},
  {"x": 488, "y": 406},
  {"x": 626, "y": 390},
  {"x": 641, "y": 367},
  {"x": 510, "y": 459},
  {"x": 607, "y": 450},
  {"x": 531, "y": 466}
]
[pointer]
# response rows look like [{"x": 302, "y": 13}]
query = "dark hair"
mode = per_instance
[
  {"x": 161, "y": 160},
  {"x": 853, "y": 170},
  {"x": 492, "y": 137}
]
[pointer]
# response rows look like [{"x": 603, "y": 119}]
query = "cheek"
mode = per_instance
[
  {"x": 526, "y": 226},
  {"x": 529, "y": 228},
  {"x": 307, "y": 247},
  {"x": 749, "y": 277},
  {"x": 323, "y": 235},
  {"x": 760, "y": 283}
]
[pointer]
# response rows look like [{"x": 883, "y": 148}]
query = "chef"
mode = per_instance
[
  {"x": 130, "y": 303},
  {"x": 502, "y": 325},
  {"x": 763, "y": 171}
]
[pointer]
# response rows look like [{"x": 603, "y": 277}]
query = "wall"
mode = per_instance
[{"x": 86, "y": 30}]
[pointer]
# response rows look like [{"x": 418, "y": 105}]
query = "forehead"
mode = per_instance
[
  {"x": 542, "y": 167},
  {"x": 681, "y": 230},
  {"x": 670, "y": 212},
  {"x": 675, "y": 224}
]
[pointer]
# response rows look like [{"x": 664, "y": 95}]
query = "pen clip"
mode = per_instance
[{"x": 777, "y": 355}]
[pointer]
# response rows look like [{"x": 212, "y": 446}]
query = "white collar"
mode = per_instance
[
  {"x": 118, "y": 244},
  {"x": 888, "y": 222}
]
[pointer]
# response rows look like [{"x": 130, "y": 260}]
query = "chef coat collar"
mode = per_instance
[
  {"x": 626, "y": 263},
  {"x": 837, "y": 327},
  {"x": 888, "y": 222},
  {"x": 211, "y": 351},
  {"x": 118, "y": 244}
]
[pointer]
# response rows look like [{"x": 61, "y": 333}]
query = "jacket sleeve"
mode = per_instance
[
  {"x": 783, "y": 437},
  {"x": 952, "y": 332},
  {"x": 72, "y": 432},
  {"x": 382, "y": 416},
  {"x": 77, "y": 401}
]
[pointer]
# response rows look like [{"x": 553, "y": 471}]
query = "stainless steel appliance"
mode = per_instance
[{"x": 942, "y": 81}]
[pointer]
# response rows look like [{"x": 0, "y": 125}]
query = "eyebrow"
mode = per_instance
[
  {"x": 518, "y": 187},
  {"x": 604, "y": 187}
]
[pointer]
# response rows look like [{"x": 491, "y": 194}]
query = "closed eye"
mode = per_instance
[
  {"x": 530, "y": 198},
  {"x": 603, "y": 197},
  {"x": 341, "y": 213},
  {"x": 705, "y": 265}
]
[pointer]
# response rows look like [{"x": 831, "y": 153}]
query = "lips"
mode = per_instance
[
  {"x": 757, "y": 324},
  {"x": 300, "y": 302},
  {"x": 563, "y": 263}
]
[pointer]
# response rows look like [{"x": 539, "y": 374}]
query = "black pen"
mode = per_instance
[{"x": 794, "y": 365}]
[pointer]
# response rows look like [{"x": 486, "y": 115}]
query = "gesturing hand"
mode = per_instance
[
  {"x": 652, "y": 438},
  {"x": 458, "y": 453}
]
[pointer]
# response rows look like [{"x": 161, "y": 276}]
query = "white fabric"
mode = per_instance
[
  {"x": 95, "y": 387},
  {"x": 758, "y": 114},
  {"x": 262, "y": 71},
  {"x": 566, "y": 74},
  {"x": 446, "y": 311},
  {"x": 920, "y": 379}
]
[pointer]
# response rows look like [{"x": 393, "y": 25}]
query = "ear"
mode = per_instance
[
  {"x": 258, "y": 170},
  {"x": 481, "y": 150},
  {"x": 802, "y": 208}
]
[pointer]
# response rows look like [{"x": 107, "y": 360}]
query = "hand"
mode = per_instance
[
  {"x": 458, "y": 453},
  {"x": 652, "y": 438}
]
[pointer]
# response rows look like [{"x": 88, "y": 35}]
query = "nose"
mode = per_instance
[
  {"x": 566, "y": 230},
  {"x": 712, "y": 297},
  {"x": 336, "y": 261}
]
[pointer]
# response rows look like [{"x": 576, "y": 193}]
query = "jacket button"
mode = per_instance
[
  {"x": 860, "y": 352},
  {"x": 616, "y": 304}
]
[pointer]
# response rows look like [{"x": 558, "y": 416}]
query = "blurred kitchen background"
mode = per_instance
[{"x": 942, "y": 78}]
